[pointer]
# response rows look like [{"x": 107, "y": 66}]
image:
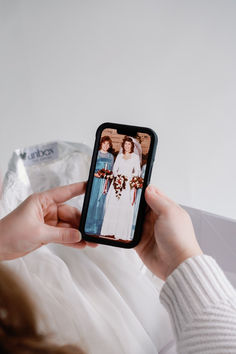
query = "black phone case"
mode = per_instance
[{"x": 127, "y": 130}]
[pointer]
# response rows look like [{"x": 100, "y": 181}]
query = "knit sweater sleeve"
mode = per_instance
[{"x": 201, "y": 304}]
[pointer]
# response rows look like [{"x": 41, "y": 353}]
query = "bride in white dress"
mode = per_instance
[{"x": 118, "y": 215}]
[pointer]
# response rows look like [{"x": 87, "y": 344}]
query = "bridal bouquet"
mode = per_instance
[
  {"x": 119, "y": 183},
  {"x": 136, "y": 182},
  {"x": 103, "y": 173}
]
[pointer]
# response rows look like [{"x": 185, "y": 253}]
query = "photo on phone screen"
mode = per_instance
[{"x": 117, "y": 185}]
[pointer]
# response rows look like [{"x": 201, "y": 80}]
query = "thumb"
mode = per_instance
[
  {"x": 157, "y": 201},
  {"x": 61, "y": 234}
]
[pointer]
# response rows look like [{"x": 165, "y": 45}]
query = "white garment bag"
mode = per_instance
[{"x": 102, "y": 298}]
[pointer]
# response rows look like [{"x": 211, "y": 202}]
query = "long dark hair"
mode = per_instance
[{"x": 130, "y": 140}]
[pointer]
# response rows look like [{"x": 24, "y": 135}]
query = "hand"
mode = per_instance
[
  {"x": 168, "y": 236},
  {"x": 42, "y": 218}
]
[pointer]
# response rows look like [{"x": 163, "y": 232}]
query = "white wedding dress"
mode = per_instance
[
  {"x": 102, "y": 299},
  {"x": 118, "y": 215}
]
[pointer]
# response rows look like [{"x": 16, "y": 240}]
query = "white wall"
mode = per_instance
[{"x": 67, "y": 66}]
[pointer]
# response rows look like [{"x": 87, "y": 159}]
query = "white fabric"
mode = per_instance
[
  {"x": 202, "y": 305},
  {"x": 216, "y": 236},
  {"x": 139, "y": 149},
  {"x": 118, "y": 215},
  {"x": 98, "y": 298}
]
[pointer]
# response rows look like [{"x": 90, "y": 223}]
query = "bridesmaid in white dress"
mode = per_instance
[{"x": 118, "y": 215}]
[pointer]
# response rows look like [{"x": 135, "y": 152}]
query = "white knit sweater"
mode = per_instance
[{"x": 201, "y": 303}]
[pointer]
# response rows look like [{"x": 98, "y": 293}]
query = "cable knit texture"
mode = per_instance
[{"x": 202, "y": 306}]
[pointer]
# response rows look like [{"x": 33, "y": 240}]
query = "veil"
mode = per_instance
[{"x": 137, "y": 149}]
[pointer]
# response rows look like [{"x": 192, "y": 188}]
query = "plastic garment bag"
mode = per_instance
[{"x": 101, "y": 299}]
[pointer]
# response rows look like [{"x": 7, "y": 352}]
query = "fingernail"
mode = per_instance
[
  {"x": 77, "y": 235},
  {"x": 80, "y": 236}
]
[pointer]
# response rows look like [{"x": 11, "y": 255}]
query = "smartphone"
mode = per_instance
[{"x": 114, "y": 203}]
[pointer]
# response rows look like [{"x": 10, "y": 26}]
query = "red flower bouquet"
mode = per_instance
[
  {"x": 103, "y": 173},
  {"x": 136, "y": 182},
  {"x": 119, "y": 183}
]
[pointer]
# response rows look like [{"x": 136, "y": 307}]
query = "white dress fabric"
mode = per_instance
[
  {"x": 100, "y": 299},
  {"x": 118, "y": 215}
]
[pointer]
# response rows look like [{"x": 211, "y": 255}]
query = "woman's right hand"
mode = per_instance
[{"x": 168, "y": 236}]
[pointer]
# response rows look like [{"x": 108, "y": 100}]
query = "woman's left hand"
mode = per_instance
[{"x": 41, "y": 219}]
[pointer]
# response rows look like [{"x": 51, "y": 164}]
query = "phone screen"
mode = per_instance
[{"x": 117, "y": 185}]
